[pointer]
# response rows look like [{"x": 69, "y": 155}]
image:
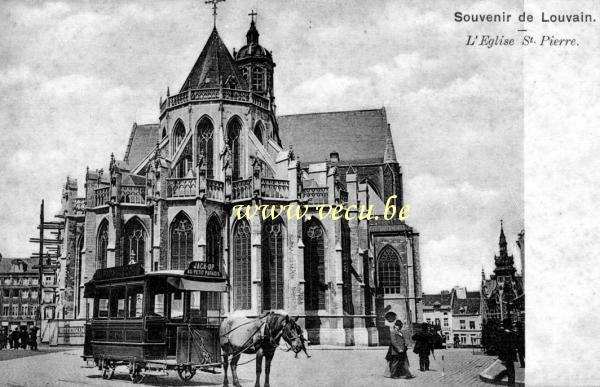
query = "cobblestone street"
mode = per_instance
[{"x": 333, "y": 367}]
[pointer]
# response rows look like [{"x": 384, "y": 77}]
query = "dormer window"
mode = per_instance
[{"x": 258, "y": 78}]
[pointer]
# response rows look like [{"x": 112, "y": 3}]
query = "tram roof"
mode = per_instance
[{"x": 180, "y": 279}]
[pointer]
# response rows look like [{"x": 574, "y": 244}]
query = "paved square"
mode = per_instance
[{"x": 339, "y": 367}]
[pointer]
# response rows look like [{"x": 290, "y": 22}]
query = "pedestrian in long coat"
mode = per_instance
[
  {"x": 33, "y": 339},
  {"x": 24, "y": 338},
  {"x": 2, "y": 340},
  {"x": 396, "y": 355},
  {"x": 14, "y": 339},
  {"x": 423, "y": 346}
]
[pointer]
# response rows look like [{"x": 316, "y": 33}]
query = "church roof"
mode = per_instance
[
  {"x": 356, "y": 135},
  {"x": 215, "y": 66},
  {"x": 142, "y": 140}
]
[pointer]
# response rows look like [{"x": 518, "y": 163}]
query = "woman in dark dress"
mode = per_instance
[{"x": 396, "y": 355}]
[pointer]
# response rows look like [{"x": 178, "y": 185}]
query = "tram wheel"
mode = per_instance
[
  {"x": 186, "y": 373},
  {"x": 108, "y": 369}
]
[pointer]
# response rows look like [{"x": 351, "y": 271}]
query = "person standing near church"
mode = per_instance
[
  {"x": 507, "y": 352},
  {"x": 423, "y": 346},
  {"x": 396, "y": 355}
]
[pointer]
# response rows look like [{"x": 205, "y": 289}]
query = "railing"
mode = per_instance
[
  {"x": 316, "y": 195},
  {"x": 101, "y": 196},
  {"x": 133, "y": 194},
  {"x": 236, "y": 95},
  {"x": 213, "y": 94},
  {"x": 181, "y": 188},
  {"x": 215, "y": 189},
  {"x": 274, "y": 188},
  {"x": 79, "y": 206},
  {"x": 260, "y": 101},
  {"x": 241, "y": 189}
]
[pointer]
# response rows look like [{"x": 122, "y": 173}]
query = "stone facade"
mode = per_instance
[{"x": 218, "y": 144}]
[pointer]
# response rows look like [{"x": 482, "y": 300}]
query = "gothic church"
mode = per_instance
[{"x": 218, "y": 143}]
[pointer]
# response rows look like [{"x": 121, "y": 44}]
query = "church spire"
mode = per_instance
[
  {"x": 252, "y": 34},
  {"x": 502, "y": 242}
]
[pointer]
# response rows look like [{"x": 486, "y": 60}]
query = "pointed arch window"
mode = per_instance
[
  {"x": 183, "y": 167},
  {"x": 314, "y": 265},
  {"x": 272, "y": 265},
  {"x": 102, "y": 245},
  {"x": 205, "y": 145},
  {"x": 388, "y": 271},
  {"x": 234, "y": 129},
  {"x": 178, "y": 135},
  {"x": 258, "y": 132},
  {"x": 182, "y": 242},
  {"x": 134, "y": 243},
  {"x": 346, "y": 269},
  {"x": 242, "y": 269}
]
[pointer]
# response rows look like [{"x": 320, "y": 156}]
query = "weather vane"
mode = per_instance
[{"x": 214, "y": 4}]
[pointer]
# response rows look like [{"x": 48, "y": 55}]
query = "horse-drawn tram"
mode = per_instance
[{"x": 155, "y": 322}]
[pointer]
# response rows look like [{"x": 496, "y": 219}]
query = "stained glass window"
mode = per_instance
[
  {"x": 242, "y": 269},
  {"x": 314, "y": 265},
  {"x": 272, "y": 265},
  {"x": 388, "y": 271},
  {"x": 102, "y": 245},
  {"x": 233, "y": 140},
  {"x": 182, "y": 243},
  {"x": 205, "y": 145},
  {"x": 134, "y": 243}
]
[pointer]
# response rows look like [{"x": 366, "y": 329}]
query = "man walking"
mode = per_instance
[
  {"x": 507, "y": 352},
  {"x": 423, "y": 346}
]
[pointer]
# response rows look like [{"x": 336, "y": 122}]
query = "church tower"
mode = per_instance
[{"x": 256, "y": 63}]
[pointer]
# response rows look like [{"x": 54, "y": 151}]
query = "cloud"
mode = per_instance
[{"x": 75, "y": 75}]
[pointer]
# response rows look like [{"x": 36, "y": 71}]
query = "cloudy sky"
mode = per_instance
[{"x": 74, "y": 76}]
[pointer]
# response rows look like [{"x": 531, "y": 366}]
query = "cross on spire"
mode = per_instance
[
  {"x": 214, "y": 5},
  {"x": 252, "y": 14}
]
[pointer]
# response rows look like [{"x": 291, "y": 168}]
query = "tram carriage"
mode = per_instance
[{"x": 155, "y": 322}]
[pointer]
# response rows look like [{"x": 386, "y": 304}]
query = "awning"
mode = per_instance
[{"x": 204, "y": 286}]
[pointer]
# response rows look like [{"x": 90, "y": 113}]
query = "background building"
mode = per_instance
[
  {"x": 457, "y": 313},
  {"x": 503, "y": 293},
  {"x": 19, "y": 290},
  {"x": 437, "y": 310},
  {"x": 219, "y": 143}
]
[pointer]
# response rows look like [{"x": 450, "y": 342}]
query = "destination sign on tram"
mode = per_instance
[{"x": 203, "y": 269}]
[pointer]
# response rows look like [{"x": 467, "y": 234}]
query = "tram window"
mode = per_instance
[
  {"x": 117, "y": 302},
  {"x": 176, "y": 305},
  {"x": 156, "y": 304},
  {"x": 198, "y": 306},
  {"x": 101, "y": 303},
  {"x": 135, "y": 301}
]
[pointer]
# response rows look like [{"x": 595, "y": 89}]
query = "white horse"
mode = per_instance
[{"x": 259, "y": 336}]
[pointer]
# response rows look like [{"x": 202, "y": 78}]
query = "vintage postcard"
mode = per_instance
[{"x": 298, "y": 193}]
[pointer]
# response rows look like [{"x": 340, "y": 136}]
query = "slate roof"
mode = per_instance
[
  {"x": 357, "y": 135},
  {"x": 429, "y": 300},
  {"x": 471, "y": 304},
  {"x": 142, "y": 141},
  {"x": 214, "y": 61}
]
